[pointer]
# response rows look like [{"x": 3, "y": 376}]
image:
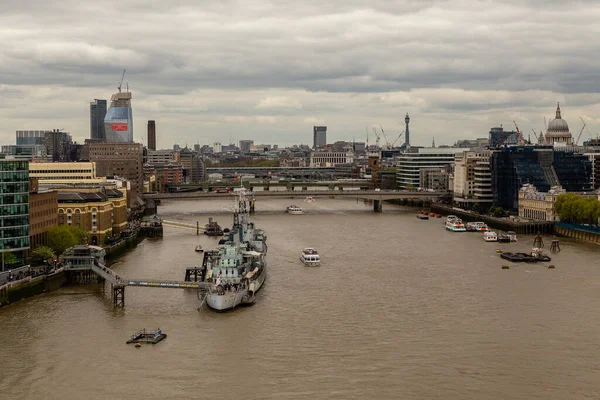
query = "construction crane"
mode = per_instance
[
  {"x": 521, "y": 139},
  {"x": 398, "y": 138},
  {"x": 535, "y": 135},
  {"x": 121, "y": 83},
  {"x": 387, "y": 143},
  {"x": 377, "y": 138},
  {"x": 580, "y": 132}
]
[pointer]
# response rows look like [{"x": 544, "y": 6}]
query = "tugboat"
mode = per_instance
[
  {"x": 212, "y": 228},
  {"x": 539, "y": 255}
]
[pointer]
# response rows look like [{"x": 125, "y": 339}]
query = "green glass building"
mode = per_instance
[{"x": 14, "y": 208}]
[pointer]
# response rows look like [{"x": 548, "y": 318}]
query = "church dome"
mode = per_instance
[{"x": 558, "y": 128}]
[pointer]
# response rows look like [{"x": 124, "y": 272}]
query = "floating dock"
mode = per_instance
[{"x": 147, "y": 336}]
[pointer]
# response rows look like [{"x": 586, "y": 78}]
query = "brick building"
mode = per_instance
[{"x": 43, "y": 213}]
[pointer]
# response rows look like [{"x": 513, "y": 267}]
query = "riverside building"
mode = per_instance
[{"x": 14, "y": 207}]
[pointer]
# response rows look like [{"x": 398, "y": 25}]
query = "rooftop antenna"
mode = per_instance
[{"x": 121, "y": 82}]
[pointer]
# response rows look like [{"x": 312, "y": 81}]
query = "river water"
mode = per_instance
[{"x": 399, "y": 309}]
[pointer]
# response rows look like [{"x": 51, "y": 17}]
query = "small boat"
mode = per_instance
[
  {"x": 198, "y": 249},
  {"x": 309, "y": 199},
  {"x": 471, "y": 227},
  {"x": 539, "y": 255},
  {"x": 294, "y": 210},
  {"x": 514, "y": 257},
  {"x": 432, "y": 215},
  {"x": 512, "y": 236},
  {"x": 481, "y": 226},
  {"x": 503, "y": 239},
  {"x": 454, "y": 224},
  {"x": 310, "y": 257},
  {"x": 422, "y": 215},
  {"x": 438, "y": 215},
  {"x": 490, "y": 236}
]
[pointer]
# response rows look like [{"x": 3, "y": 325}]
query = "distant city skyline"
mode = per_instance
[{"x": 263, "y": 74}]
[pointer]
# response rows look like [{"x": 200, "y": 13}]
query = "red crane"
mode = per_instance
[{"x": 521, "y": 140}]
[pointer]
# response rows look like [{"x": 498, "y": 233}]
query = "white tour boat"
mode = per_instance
[
  {"x": 294, "y": 210},
  {"x": 481, "y": 227},
  {"x": 490, "y": 236},
  {"x": 454, "y": 224},
  {"x": 310, "y": 257}
]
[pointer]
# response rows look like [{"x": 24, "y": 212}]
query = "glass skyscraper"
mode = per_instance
[
  {"x": 97, "y": 115},
  {"x": 118, "y": 123},
  {"x": 14, "y": 206}
]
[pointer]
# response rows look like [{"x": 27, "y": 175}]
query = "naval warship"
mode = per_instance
[{"x": 236, "y": 271}]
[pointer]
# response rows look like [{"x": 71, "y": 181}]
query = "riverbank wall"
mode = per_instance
[
  {"x": 529, "y": 228},
  {"x": 29, "y": 287},
  {"x": 580, "y": 233},
  {"x": 115, "y": 251}
]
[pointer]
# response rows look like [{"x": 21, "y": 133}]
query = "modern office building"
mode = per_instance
[
  {"x": 319, "y": 136},
  {"x": 499, "y": 137},
  {"x": 14, "y": 208},
  {"x": 58, "y": 145},
  {"x": 194, "y": 170},
  {"x": 162, "y": 156},
  {"x": 246, "y": 145},
  {"x": 436, "y": 179},
  {"x": 31, "y": 137},
  {"x": 151, "y": 135},
  {"x": 409, "y": 165},
  {"x": 472, "y": 181},
  {"x": 542, "y": 167},
  {"x": 97, "y": 115},
  {"x": 63, "y": 172},
  {"x": 121, "y": 160},
  {"x": 118, "y": 123}
]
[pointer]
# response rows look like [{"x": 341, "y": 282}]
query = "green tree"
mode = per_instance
[
  {"x": 476, "y": 207},
  {"x": 42, "y": 253},
  {"x": 574, "y": 208},
  {"x": 8, "y": 258},
  {"x": 62, "y": 237}
]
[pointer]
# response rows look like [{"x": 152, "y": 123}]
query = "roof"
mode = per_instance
[{"x": 81, "y": 197}]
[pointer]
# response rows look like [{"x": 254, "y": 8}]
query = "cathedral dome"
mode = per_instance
[{"x": 558, "y": 129}]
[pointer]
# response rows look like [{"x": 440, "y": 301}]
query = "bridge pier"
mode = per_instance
[
  {"x": 119, "y": 295},
  {"x": 378, "y": 205}
]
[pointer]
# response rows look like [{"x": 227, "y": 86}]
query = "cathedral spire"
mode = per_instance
[
  {"x": 558, "y": 111},
  {"x": 433, "y": 142}
]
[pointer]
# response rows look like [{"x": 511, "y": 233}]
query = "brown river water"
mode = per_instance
[{"x": 399, "y": 309}]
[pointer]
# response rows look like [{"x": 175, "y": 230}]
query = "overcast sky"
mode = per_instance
[{"x": 224, "y": 71}]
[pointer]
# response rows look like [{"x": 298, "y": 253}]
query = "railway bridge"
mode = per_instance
[{"x": 377, "y": 196}]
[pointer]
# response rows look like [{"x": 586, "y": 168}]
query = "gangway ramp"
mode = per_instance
[
  {"x": 183, "y": 225},
  {"x": 156, "y": 283}
]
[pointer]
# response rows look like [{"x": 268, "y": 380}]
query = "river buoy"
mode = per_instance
[
  {"x": 138, "y": 345},
  {"x": 499, "y": 251},
  {"x": 550, "y": 266},
  {"x": 505, "y": 267}
]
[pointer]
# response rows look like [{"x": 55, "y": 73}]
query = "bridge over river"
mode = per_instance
[{"x": 377, "y": 196}]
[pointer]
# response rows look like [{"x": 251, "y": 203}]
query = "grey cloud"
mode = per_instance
[{"x": 177, "y": 51}]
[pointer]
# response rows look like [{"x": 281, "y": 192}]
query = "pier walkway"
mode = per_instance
[{"x": 118, "y": 283}]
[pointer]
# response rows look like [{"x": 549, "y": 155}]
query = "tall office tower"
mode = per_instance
[
  {"x": 58, "y": 145},
  {"x": 406, "y": 132},
  {"x": 319, "y": 136},
  {"x": 245, "y": 145},
  {"x": 14, "y": 195},
  {"x": 97, "y": 115},
  {"x": 151, "y": 135},
  {"x": 118, "y": 123}
]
